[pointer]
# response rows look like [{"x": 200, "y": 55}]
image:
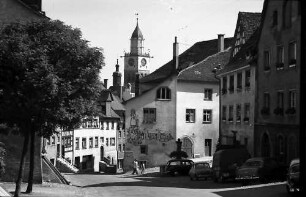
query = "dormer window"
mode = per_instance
[{"x": 163, "y": 93}]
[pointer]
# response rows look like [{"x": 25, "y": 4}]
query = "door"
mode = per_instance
[
  {"x": 208, "y": 147},
  {"x": 187, "y": 146},
  {"x": 101, "y": 153}
]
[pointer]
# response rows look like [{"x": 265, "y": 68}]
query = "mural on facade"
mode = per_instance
[{"x": 137, "y": 136}]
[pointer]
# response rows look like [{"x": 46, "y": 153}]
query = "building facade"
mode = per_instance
[
  {"x": 278, "y": 85},
  {"x": 171, "y": 104},
  {"x": 238, "y": 85}
]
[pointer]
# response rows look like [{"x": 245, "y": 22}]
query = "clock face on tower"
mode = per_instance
[
  {"x": 131, "y": 62},
  {"x": 143, "y": 62}
]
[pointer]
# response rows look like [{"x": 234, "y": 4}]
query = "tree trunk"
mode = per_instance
[
  {"x": 21, "y": 165},
  {"x": 32, "y": 164}
]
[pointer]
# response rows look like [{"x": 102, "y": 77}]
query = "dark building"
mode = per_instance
[{"x": 277, "y": 115}]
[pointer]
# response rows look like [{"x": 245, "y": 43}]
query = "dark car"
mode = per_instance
[
  {"x": 258, "y": 168},
  {"x": 178, "y": 166},
  {"x": 226, "y": 161},
  {"x": 293, "y": 177},
  {"x": 200, "y": 170}
]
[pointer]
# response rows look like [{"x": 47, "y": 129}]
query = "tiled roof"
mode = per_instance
[
  {"x": 203, "y": 71},
  {"x": 250, "y": 23},
  {"x": 117, "y": 104},
  {"x": 198, "y": 52}
]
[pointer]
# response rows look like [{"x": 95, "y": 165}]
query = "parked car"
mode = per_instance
[
  {"x": 200, "y": 170},
  {"x": 293, "y": 176},
  {"x": 225, "y": 163},
  {"x": 178, "y": 166},
  {"x": 258, "y": 168}
]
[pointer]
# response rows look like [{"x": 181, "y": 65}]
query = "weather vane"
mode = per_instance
[{"x": 136, "y": 14}]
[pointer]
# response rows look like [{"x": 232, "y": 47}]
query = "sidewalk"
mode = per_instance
[
  {"x": 42, "y": 190},
  {"x": 3, "y": 193}
]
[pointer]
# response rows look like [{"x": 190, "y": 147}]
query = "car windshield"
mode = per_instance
[
  {"x": 253, "y": 163},
  {"x": 175, "y": 163},
  {"x": 295, "y": 168},
  {"x": 202, "y": 165}
]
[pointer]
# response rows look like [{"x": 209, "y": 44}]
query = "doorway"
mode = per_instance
[{"x": 187, "y": 146}]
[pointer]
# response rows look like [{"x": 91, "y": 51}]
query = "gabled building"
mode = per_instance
[
  {"x": 238, "y": 85},
  {"x": 156, "y": 117},
  {"x": 278, "y": 81}
]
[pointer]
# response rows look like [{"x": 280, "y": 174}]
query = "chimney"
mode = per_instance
[
  {"x": 137, "y": 85},
  {"x": 105, "y": 83},
  {"x": 175, "y": 54},
  {"x": 220, "y": 42}
]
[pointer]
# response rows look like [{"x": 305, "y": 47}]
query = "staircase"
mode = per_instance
[
  {"x": 105, "y": 166},
  {"x": 51, "y": 173},
  {"x": 64, "y": 166}
]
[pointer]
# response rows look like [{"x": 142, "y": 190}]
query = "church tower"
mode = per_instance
[{"x": 136, "y": 61}]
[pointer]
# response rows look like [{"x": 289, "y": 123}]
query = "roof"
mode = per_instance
[
  {"x": 250, "y": 23},
  {"x": 112, "y": 115},
  {"x": 196, "y": 53},
  {"x": 240, "y": 59},
  {"x": 203, "y": 70},
  {"x": 106, "y": 95},
  {"x": 137, "y": 33},
  {"x": 117, "y": 104}
]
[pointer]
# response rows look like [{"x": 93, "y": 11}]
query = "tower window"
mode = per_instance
[{"x": 163, "y": 93}]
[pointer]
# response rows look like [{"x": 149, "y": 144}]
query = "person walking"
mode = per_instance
[
  {"x": 135, "y": 166},
  {"x": 143, "y": 167}
]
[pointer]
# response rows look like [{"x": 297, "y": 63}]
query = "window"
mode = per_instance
[
  {"x": 247, "y": 78},
  {"x": 53, "y": 140},
  {"x": 106, "y": 142},
  {"x": 48, "y": 141},
  {"x": 123, "y": 147},
  {"x": 143, "y": 149},
  {"x": 113, "y": 125},
  {"x": 224, "y": 85},
  {"x": 266, "y": 105},
  {"x": 107, "y": 125},
  {"x": 149, "y": 115},
  {"x": 274, "y": 19},
  {"x": 231, "y": 84},
  {"x": 287, "y": 14},
  {"x": 119, "y": 134},
  {"x": 239, "y": 81},
  {"x": 266, "y": 60},
  {"x": 223, "y": 112},
  {"x": 207, "y": 113},
  {"x": 280, "y": 58},
  {"x": 96, "y": 142},
  {"x": 102, "y": 140},
  {"x": 102, "y": 125},
  {"x": 246, "y": 112},
  {"x": 112, "y": 141},
  {"x": 119, "y": 148},
  {"x": 208, "y": 94},
  {"x": 238, "y": 113},
  {"x": 83, "y": 143},
  {"x": 77, "y": 143},
  {"x": 90, "y": 142},
  {"x": 267, "y": 100},
  {"x": 280, "y": 99},
  {"x": 230, "y": 113},
  {"x": 292, "y": 54},
  {"x": 292, "y": 98},
  {"x": 190, "y": 115},
  {"x": 163, "y": 93}
]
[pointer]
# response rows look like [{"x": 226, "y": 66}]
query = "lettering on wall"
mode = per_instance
[{"x": 137, "y": 136}]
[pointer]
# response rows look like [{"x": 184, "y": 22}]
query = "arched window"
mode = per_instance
[{"x": 163, "y": 93}]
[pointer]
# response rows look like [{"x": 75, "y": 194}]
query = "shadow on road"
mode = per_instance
[{"x": 175, "y": 182}]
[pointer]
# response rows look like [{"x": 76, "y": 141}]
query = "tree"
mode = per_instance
[{"x": 49, "y": 78}]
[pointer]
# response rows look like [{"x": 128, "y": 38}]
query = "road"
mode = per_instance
[{"x": 152, "y": 186}]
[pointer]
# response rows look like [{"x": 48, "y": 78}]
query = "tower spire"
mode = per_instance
[{"x": 117, "y": 66}]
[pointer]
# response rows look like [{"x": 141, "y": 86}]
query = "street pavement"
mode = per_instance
[{"x": 149, "y": 185}]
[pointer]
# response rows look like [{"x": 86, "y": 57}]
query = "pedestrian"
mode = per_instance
[
  {"x": 135, "y": 166},
  {"x": 143, "y": 167}
]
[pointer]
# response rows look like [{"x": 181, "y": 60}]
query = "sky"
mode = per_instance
[{"x": 109, "y": 24}]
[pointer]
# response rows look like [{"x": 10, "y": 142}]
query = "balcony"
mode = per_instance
[
  {"x": 265, "y": 111},
  {"x": 279, "y": 111},
  {"x": 290, "y": 111},
  {"x": 279, "y": 66}
]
